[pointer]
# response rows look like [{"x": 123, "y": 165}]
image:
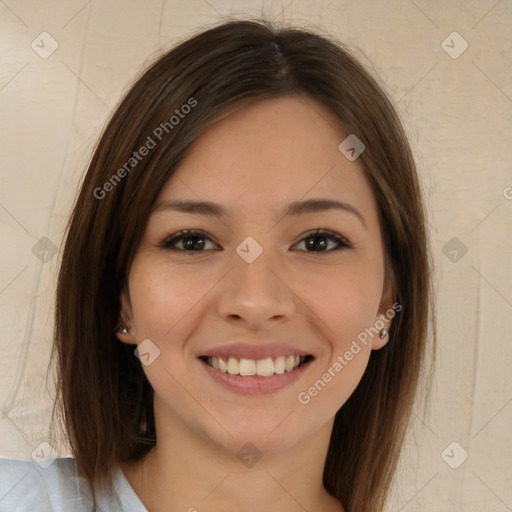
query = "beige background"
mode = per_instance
[{"x": 458, "y": 113}]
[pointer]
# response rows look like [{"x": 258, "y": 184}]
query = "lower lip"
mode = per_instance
[{"x": 255, "y": 385}]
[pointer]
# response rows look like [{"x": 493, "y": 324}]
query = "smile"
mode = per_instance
[{"x": 265, "y": 367}]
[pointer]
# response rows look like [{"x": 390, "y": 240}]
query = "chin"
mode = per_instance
[{"x": 265, "y": 435}]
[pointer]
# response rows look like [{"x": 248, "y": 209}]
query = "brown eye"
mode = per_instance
[
  {"x": 190, "y": 241},
  {"x": 319, "y": 240}
]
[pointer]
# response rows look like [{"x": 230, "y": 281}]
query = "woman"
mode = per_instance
[{"x": 243, "y": 300}]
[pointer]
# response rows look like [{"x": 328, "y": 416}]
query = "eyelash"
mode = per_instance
[{"x": 342, "y": 243}]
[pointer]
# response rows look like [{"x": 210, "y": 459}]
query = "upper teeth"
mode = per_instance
[{"x": 263, "y": 367}]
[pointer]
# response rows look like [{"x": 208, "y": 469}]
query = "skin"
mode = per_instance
[{"x": 254, "y": 162}]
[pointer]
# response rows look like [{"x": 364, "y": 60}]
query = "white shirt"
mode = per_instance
[{"x": 53, "y": 485}]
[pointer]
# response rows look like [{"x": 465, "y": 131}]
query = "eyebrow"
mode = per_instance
[{"x": 295, "y": 208}]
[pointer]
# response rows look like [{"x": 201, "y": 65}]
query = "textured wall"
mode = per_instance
[{"x": 447, "y": 67}]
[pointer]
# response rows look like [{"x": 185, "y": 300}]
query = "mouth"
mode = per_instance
[{"x": 264, "y": 368}]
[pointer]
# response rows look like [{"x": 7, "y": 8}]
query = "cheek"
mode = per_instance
[
  {"x": 346, "y": 305},
  {"x": 167, "y": 305},
  {"x": 354, "y": 311},
  {"x": 346, "y": 300},
  {"x": 163, "y": 301}
]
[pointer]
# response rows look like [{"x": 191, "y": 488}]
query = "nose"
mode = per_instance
[{"x": 258, "y": 294}]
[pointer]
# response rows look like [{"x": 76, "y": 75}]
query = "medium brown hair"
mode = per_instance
[{"x": 104, "y": 400}]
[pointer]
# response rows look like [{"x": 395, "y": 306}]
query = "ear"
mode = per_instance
[
  {"x": 386, "y": 313},
  {"x": 125, "y": 322}
]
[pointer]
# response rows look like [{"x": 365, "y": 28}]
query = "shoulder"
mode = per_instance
[{"x": 49, "y": 485}]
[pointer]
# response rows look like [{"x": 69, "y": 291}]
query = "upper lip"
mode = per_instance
[{"x": 254, "y": 350}]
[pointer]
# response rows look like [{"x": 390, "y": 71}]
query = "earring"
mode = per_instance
[
  {"x": 123, "y": 330},
  {"x": 384, "y": 333}
]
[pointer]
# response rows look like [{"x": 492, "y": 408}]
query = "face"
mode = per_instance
[{"x": 255, "y": 286}]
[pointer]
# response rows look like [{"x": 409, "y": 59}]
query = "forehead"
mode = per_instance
[{"x": 268, "y": 153}]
